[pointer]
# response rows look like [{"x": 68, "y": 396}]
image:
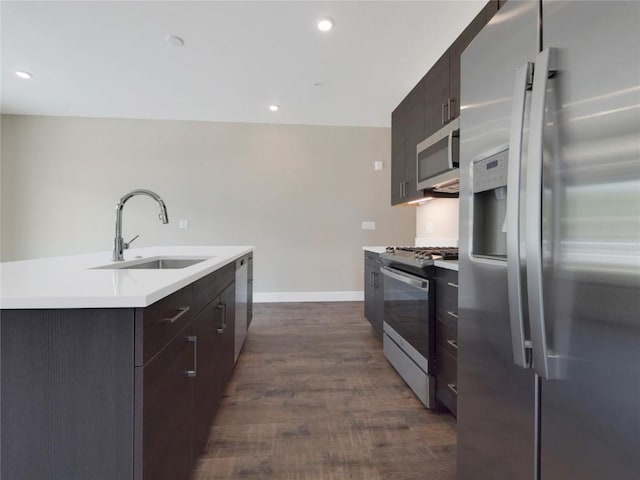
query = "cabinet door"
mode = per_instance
[
  {"x": 207, "y": 329},
  {"x": 378, "y": 300},
  {"x": 458, "y": 47},
  {"x": 369, "y": 293},
  {"x": 414, "y": 135},
  {"x": 398, "y": 137},
  {"x": 436, "y": 96},
  {"x": 167, "y": 392},
  {"x": 226, "y": 309}
]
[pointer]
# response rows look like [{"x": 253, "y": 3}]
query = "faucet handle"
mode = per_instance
[{"x": 126, "y": 244}]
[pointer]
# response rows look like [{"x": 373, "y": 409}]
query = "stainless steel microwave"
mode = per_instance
[{"x": 437, "y": 159}]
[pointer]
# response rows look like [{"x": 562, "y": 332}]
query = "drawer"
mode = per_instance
[
  {"x": 447, "y": 337},
  {"x": 446, "y": 295},
  {"x": 372, "y": 258},
  {"x": 209, "y": 287},
  {"x": 447, "y": 312},
  {"x": 158, "y": 323},
  {"x": 447, "y": 380}
]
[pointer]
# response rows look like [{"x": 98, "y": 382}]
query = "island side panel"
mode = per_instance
[{"x": 66, "y": 379}]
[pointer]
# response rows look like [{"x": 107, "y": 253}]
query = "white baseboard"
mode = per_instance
[{"x": 271, "y": 297}]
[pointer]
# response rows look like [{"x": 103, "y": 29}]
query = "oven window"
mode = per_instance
[{"x": 406, "y": 310}]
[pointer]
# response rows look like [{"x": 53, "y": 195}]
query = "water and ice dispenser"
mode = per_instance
[{"x": 489, "y": 180}]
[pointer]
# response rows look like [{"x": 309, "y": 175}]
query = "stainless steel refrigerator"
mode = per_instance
[{"x": 549, "y": 297}]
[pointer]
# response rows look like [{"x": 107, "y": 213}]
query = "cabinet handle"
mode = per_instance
[
  {"x": 221, "y": 318},
  {"x": 453, "y": 387},
  {"x": 453, "y": 314},
  {"x": 181, "y": 312},
  {"x": 453, "y": 343},
  {"x": 192, "y": 373},
  {"x": 442, "y": 113},
  {"x": 449, "y": 102},
  {"x": 451, "y": 284},
  {"x": 372, "y": 281}
]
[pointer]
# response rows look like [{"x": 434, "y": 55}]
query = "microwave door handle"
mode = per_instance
[
  {"x": 450, "y": 150},
  {"x": 416, "y": 282},
  {"x": 520, "y": 346},
  {"x": 545, "y": 363}
]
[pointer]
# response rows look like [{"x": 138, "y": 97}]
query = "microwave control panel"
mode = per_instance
[{"x": 490, "y": 172}]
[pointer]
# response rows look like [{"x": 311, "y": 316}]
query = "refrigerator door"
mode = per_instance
[
  {"x": 590, "y": 245},
  {"x": 496, "y": 401}
]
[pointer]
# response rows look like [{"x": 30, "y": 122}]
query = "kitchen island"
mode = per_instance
[{"x": 116, "y": 373}]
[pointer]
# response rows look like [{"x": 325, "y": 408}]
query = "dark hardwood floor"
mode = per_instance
[{"x": 313, "y": 398}]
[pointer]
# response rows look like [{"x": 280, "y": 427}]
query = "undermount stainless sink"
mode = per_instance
[
  {"x": 165, "y": 263},
  {"x": 155, "y": 264}
]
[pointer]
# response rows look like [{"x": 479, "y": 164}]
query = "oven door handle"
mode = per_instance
[{"x": 403, "y": 277}]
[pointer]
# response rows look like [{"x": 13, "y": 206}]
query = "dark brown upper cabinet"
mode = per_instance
[
  {"x": 431, "y": 104},
  {"x": 437, "y": 96},
  {"x": 407, "y": 128}
]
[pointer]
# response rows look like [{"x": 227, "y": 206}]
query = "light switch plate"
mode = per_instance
[
  {"x": 368, "y": 225},
  {"x": 377, "y": 166},
  {"x": 183, "y": 224}
]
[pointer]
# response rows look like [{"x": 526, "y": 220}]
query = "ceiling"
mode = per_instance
[{"x": 110, "y": 59}]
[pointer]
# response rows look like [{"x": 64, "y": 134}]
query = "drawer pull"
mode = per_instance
[
  {"x": 222, "y": 325},
  {"x": 453, "y": 387},
  {"x": 193, "y": 373},
  {"x": 181, "y": 312},
  {"x": 453, "y": 343},
  {"x": 451, "y": 284},
  {"x": 453, "y": 314}
]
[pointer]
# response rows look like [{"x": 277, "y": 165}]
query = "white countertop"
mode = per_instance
[
  {"x": 374, "y": 249},
  {"x": 448, "y": 264},
  {"x": 73, "y": 281}
]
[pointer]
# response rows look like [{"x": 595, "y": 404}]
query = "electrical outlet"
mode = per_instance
[
  {"x": 377, "y": 166},
  {"x": 183, "y": 224},
  {"x": 368, "y": 225}
]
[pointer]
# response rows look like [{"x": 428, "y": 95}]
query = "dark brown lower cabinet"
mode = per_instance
[
  {"x": 207, "y": 330},
  {"x": 167, "y": 395},
  {"x": 447, "y": 338},
  {"x": 447, "y": 380},
  {"x": 115, "y": 394},
  {"x": 213, "y": 331},
  {"x": 373, "y": 293}
]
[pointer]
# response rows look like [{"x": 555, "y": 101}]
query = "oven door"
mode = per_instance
[{"x": 408, "y": 310}]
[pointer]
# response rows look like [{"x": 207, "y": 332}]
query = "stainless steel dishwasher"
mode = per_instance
[{"x": 242, "y": 296}]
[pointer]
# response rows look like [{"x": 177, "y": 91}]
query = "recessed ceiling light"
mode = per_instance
[
  {"x": 274, "y": 108},
  {"x": 174, "y": 40},
  {"x": 23, "y": 74},
  {"x": 325, "y": 24}
]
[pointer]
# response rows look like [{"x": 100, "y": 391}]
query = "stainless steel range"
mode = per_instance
[{"x": 409, "y": 318}]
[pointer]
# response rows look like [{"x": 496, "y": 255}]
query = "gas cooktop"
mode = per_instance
[{"x": 417, "y": 259}]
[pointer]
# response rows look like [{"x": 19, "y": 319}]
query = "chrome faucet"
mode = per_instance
[{"x": 119, "y": 245}]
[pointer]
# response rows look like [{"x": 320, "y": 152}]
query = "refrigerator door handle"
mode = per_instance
[
  {"x": 520, "y": 345},
  {"x": 545, "y": 362}
]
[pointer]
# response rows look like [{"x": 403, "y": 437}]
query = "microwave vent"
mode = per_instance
[{"x": 452, "y": 186}]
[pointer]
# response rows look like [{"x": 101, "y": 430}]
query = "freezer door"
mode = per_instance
[
  {"x": 496, "y": 411},
  {"x": 590, "y": 242}
]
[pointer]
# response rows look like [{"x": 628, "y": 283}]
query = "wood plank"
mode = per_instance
[{"x": 313, "y": 398}]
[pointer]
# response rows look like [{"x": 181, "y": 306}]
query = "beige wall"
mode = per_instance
[{"x": 299, "y": 193}]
